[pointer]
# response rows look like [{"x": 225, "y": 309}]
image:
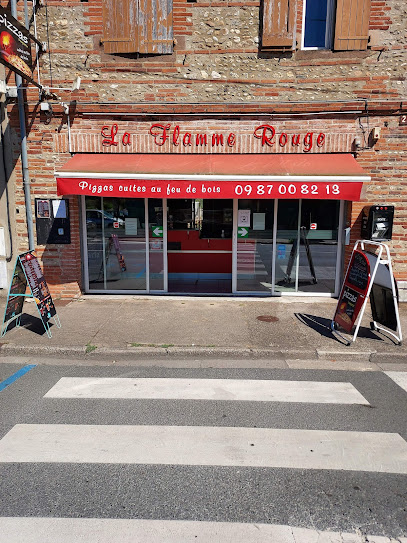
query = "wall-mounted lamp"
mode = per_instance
[{"x": 357, "y": 142}]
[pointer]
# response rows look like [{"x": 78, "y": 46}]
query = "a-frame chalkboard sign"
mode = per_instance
[
  {"x": 28, "y": 273},
  {"x": 369, "y": 276}
]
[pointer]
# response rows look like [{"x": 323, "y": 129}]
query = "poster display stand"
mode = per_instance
[
  {"x": 28, "y": 273},
  {"x": 369, "y": 276},
  {"x": 293, "y": 254}
]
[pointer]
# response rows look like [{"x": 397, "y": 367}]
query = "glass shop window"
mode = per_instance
[{"x": 212, "y": 218}]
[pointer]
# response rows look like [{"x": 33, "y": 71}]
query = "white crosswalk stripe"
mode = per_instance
[
  {"x": 62, "y": 530},
  {"x": 208, "y": 389},
  {"x": 399, "y": 377},
  {"x": 206, "y": 446}
]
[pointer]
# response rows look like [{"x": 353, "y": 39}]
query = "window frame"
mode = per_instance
[{"x": 329, "y": 28}]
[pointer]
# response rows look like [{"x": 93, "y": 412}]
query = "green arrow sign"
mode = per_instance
[
  {"x": 157, "y": 232},
  {"x": 242, "y": 232}
]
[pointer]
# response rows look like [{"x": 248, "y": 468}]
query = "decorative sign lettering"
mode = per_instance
[
  {"x": 267, "y": 134},
  {"x": 354, "y": 290},
  {"x": 210, "y": 189},
  {"x": 162, "y": 133},
  {"x": 173, "y": 136},
  {"x": 403, "y": 119}
]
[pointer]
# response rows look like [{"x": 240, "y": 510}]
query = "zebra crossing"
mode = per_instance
[{"x": 210, "y": 447}]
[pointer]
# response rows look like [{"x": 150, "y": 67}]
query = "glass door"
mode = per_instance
[
  {"x": 254, "y": 235},
  {"x": 307, "y": 246},
  {"x": 200, "y": 245},
  {"x": 116, "y": 244},
  {"x": 157, "y": 236}
]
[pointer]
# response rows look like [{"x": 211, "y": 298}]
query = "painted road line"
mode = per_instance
[
  {"x": 207, "y": 389},
  {"x": 4, "y": 384},
  {"x": 399, "y": 377},
  {"x": 206, "y": 446},
  {"x": 92, "y": 530}
]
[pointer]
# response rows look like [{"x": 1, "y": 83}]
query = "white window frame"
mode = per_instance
[{"x": 329, "y": 29}]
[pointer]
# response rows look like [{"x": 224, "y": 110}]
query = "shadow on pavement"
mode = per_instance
[
  {"x": 322, "y": 325},
  {"x": 29, "y": 322}
]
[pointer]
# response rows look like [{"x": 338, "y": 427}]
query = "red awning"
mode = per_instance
[{"x": 317, "y": 176}]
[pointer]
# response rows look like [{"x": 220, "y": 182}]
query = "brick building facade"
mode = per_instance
[{"x": 226, "y": 79}]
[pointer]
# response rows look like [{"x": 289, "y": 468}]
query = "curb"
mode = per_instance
[{"x": 160, "y": 353}]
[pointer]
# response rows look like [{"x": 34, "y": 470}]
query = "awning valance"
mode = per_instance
[{"x": 317, "y": 176}]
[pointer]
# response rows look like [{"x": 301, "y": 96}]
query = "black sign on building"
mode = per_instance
[{"x": 52, "y": 221}]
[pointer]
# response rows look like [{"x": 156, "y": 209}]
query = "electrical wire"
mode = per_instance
[
  {"x": 36, "y": 44},
  {"x": 49, "y": 49}
]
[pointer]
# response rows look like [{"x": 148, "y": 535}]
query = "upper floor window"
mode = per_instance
[
  {"x": 137, "y": 26},
  {"x": 317, "y": 24},
  {"x": 341, "y": 25}
]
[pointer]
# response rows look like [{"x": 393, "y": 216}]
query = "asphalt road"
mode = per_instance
[{"x": 345, "y": 488}]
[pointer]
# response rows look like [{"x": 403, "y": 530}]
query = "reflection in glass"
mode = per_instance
[
  {"x": 255, "y": 252},
  {"x": 94, "y": 237},
  {"x": 116, "y": 243},
  {"x": 316, "y": 12},
  {"x": 306, "y": 245},
  {"x": 319, "y": 245},
  {"x": 286, "y": 245}
]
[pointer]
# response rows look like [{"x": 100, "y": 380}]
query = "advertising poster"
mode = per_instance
[
  {"x": 38, "y": 285},
  {"x": 354, "y": 291},
  {"x": 243, "y": 218},
  {"x": 18, "y": 286},
  {"x": 15, "y": 45}
]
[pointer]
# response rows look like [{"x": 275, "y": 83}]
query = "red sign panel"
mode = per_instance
[
  {"x": 132, "y": 188},
  {"x": 354, "y": 291}
]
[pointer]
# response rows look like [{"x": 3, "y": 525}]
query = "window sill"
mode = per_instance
[{"x": 327, "y": 54}]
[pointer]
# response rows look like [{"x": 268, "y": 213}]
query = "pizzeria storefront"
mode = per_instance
[{"x": 244, "y": 224}]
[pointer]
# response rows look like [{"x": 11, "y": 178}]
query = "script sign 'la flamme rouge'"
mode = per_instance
[{"x": 166, "y": 134}]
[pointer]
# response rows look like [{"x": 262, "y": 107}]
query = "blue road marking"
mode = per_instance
[{"x": 16, "y": 376}]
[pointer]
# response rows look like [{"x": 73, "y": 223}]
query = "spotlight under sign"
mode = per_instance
[{"x": 15, "y": 46}]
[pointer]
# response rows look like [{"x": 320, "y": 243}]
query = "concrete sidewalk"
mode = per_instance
[{"x": 137, "y": 327}]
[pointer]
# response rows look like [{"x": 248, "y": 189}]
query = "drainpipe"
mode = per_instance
[{"x": 24, "y": 156}]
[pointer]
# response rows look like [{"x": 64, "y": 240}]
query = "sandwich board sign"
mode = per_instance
[
  {"x": 28, "y": 276},
  {"x": 354, "y": 291},
  {"x": 369, "y": 277}
]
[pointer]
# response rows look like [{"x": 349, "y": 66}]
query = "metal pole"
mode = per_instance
[{"x": 24, "y": 155}]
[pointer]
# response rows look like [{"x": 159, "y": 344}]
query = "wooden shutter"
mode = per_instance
[
  {"x": 155, "y": 26},
  {"x": 120, "y": 26},
  {"x": 352, "y": 25},
  {"x": 278, "y": 24}
]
